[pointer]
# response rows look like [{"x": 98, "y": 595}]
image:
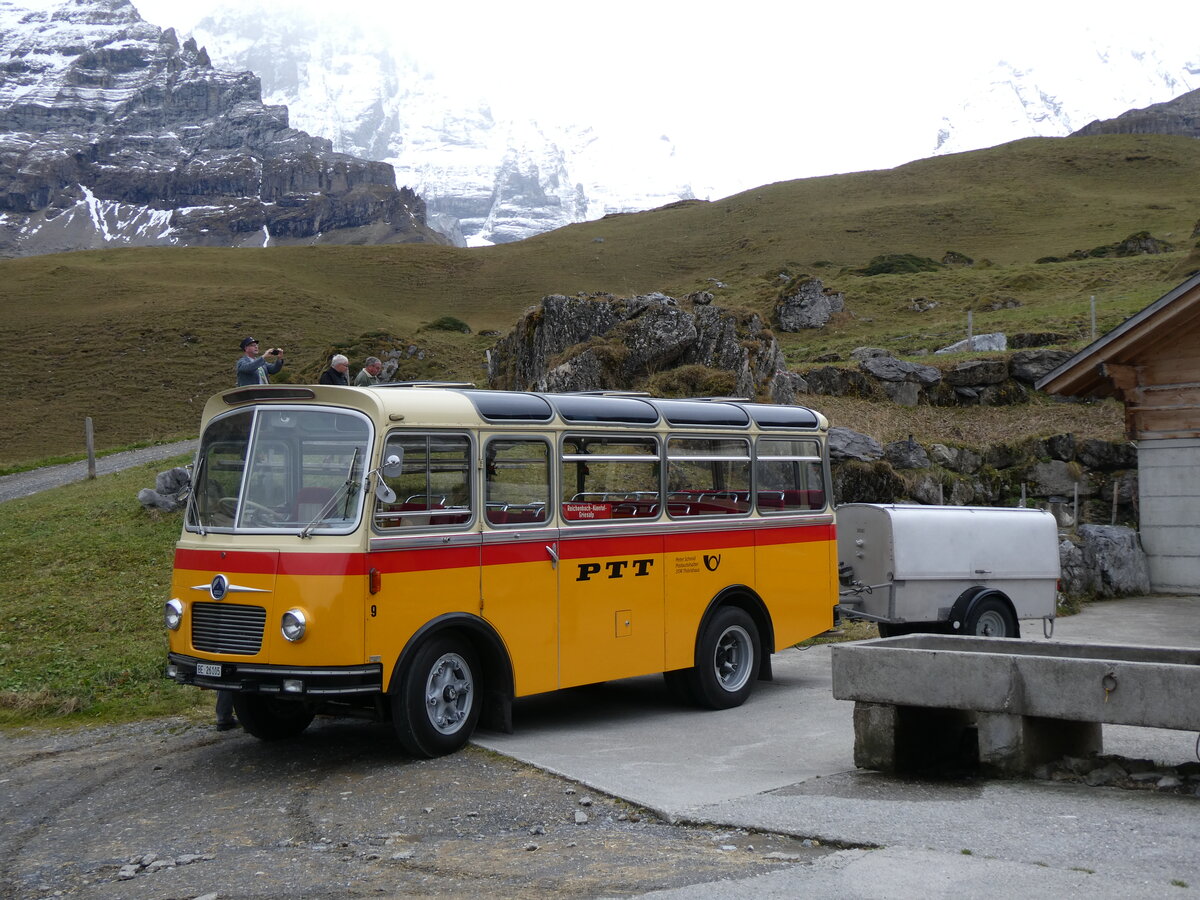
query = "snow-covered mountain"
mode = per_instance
[
  {"x": 1057, "y": 94},
  {"x": 485, "y": 178},
  {"x": 112, "y": 132}
]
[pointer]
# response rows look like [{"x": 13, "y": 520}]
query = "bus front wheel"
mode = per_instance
[
  {"x": 728, "y": 657},
  {"x": 269, "y": 718},
  {"x": 437, "y": 706}
]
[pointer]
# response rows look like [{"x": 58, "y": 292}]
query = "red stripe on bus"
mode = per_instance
[
  {"x": 688, "y": 542},
  {"x": 522, "y": 552},
  {"x": 418, "y": 559},
  {"x": 424, "y": 559},
  {"x": 798, "y": 535},
  {"x": 243, "y": 562},
  {"x": 322, "y": 564}
]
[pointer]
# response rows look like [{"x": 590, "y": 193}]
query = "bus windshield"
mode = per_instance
[{"x": 281, "y": 469}]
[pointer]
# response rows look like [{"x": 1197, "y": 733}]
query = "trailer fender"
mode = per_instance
[{"x": 967, "y": 601}]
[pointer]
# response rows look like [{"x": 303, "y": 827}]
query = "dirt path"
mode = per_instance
[
  {"x": 168, "y": 808},
  {"x": 22, "y": 484}
]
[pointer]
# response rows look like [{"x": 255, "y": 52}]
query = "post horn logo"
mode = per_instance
[{"x": 712, "y": 562}]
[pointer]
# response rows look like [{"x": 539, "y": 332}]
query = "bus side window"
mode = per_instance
[
  {"x": 708, "y": 476},
  {"x": 517, "y": 482},
  {"x": 434, "y": 487},
  {"x": 607, "y": 477}
]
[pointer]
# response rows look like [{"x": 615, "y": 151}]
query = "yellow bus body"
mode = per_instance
[{"x": 542, "y": 606}]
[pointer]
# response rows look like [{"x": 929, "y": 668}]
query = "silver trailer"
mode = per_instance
[{"x": 960, "y": 569}]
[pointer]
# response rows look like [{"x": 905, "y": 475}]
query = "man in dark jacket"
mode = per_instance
[{"x": 337, "y": 373}]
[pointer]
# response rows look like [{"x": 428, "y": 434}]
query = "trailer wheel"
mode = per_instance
[
  {"x": 991, "y": 617},
  {"x": 269, "y": 718},
  {"x": 436, "y": 708},
  {"x": 728, "y": 656}
]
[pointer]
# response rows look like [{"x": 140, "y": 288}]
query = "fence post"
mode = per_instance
[{"x": 90, "y": 440}]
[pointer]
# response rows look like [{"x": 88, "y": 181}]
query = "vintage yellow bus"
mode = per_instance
[{"x": 426, "y": 554}]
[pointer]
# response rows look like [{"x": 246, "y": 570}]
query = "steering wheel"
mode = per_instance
[{"x": 254, "y": 513}]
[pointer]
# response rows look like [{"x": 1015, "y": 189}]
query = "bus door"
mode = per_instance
[
  {"x": 519, "y": 575},
  {"x": 610, "y": 577},
  {"x": 424, "y": 560}
]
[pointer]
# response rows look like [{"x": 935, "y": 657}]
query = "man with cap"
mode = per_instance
[{"x": 254, "y": 369}]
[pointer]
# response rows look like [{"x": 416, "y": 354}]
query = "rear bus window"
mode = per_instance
[{"x": 790, "y": 476}]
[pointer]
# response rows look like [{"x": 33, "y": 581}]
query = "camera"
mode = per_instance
[{"x": 276, "y": 352}]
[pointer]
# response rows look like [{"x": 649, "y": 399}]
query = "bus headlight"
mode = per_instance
[
  {"x": 173, "y": 613},
  {"x": 293, "y": 624}
]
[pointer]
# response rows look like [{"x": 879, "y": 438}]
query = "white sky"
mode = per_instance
[{"x": 848, "y": 85}]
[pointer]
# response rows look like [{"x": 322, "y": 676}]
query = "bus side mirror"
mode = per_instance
[
  {"x": 383, "y": 493},
  {"x": 392, "y": 466}
]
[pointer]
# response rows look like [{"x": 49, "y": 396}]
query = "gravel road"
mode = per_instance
[
  {"x": 22, "y": 484},
  {"x": 173, "y": 809}
]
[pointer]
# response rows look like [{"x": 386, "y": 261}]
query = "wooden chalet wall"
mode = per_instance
[
  {"x": 1160, "y": 387},
  {"x": 1151, "y": 362}
]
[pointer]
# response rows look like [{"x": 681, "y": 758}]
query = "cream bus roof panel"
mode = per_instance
[{"x": 459, "y": 405}]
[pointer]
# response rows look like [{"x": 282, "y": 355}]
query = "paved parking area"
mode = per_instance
[{"x": 784, "y": 762}]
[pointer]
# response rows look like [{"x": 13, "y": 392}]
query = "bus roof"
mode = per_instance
[{"x": 463, "y": 405}]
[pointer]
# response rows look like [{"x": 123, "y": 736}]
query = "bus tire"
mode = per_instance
[
  {"x": 270, "y": 718},
  {"x": 437, "y": 706},
  {"x": 728, "y": 656}
]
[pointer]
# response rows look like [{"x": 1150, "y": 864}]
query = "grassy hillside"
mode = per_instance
[
  {"x": 83, "y": 578},
  {"x": 138, "y": 338}
]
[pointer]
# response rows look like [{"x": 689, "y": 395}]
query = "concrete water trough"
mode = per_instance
[{"x": 924, "y": 698}]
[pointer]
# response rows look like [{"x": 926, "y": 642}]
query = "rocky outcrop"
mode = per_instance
[
  {"x": 806, "y": 303},
  {"x": 974, "y": 382},
  {"x": 170, "y": 491},
  {"x": 1103, "y": 561},
  {"x": 114, "y": 133},
  {"x": 1180, "y": 116},
  {"x": 600, "y": 342},
  {"x": 1057, "y": 469}
]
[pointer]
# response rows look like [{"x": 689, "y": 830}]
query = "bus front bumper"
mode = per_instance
[{"x": 298, "y": 681}]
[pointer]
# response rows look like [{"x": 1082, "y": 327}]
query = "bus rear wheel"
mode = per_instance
[
  {"x": 269, "y": 718},
  {"x": 728, "y": 656},
  {"x": 437, "y": 707}
]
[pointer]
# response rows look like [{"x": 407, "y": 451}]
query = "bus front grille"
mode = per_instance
[{"x": 225, "y": 628}]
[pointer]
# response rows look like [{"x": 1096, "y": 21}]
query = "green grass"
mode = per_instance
[
  {"x": 139, "y": 338},
  {"x": 84, "y": 573}
]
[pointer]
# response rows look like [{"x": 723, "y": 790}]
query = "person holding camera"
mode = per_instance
[{"x": 255, "y": 369}]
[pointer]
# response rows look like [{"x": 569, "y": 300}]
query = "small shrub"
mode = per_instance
[
  {"x": 449, "y": 323},
  {"x": 693, "y": 381}
]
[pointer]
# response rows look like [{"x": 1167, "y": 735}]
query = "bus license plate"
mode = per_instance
[{"x": 209, "y": 670}]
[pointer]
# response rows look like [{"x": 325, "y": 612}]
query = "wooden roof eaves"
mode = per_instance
[{"x": 1083, "y": 374}]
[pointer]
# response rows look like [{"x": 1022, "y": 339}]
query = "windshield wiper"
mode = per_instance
[
  {"x": 336, "y": 496},
  {"x": 192, "y": 510}
]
